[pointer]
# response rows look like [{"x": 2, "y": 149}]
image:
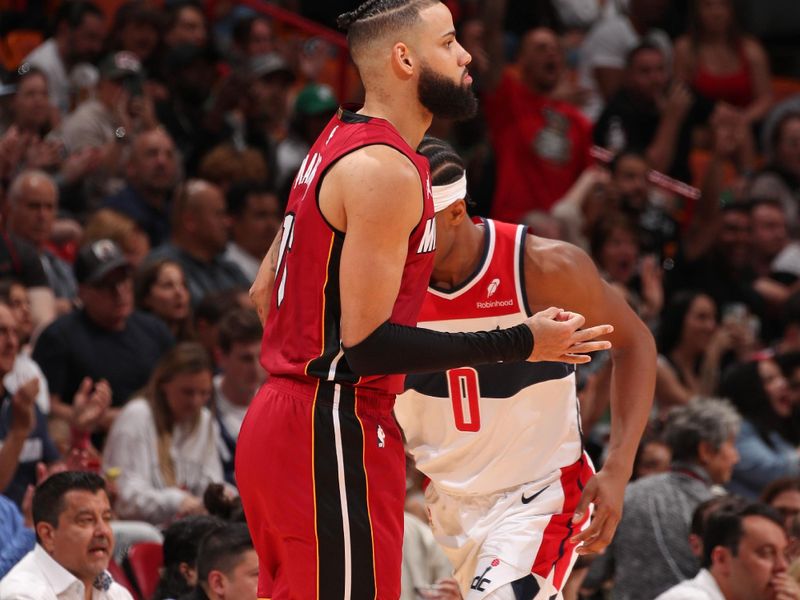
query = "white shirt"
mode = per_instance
[
  {"x": 39, "y": 577},
  {"x": 132, "y": 446},
  {"x": 25, "y": 369},
  {"x": 230, "y": 414},
  {"x": 248, "y": 263},
  {"x": 46, "y": 58},
  {"x": 702, "y": 587}
]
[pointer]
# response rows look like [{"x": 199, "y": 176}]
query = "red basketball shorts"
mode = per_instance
[{"x": 321, "y": 473}]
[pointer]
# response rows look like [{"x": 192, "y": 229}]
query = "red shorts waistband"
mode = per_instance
[{"x": 304, "y": 389}]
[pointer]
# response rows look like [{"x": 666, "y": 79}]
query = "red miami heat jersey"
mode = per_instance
[
  {"x": 477, "y": 430},
  {"x": 302, "y": 337}
]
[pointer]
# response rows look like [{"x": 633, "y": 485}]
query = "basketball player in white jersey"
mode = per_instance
[{"x": 511, "y": 487}]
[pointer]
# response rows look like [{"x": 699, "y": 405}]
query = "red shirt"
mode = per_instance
[
  {"x": 302, "y": 337},
  {"x": 541, "y": 147}
]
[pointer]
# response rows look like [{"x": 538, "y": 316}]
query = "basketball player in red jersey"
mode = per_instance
[
  {"x": 320, "y": 462},
  {"x": 501, "y": 443}
]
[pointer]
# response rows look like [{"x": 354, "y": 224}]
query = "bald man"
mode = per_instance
[
  {"x": 200, "y": 229},
  {"x": 32, "y": 208}
]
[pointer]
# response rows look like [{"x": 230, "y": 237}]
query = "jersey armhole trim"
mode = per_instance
[{"x": 339, "y": 232}]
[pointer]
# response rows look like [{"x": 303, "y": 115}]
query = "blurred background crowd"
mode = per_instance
[{"x": 147, "y": 149}]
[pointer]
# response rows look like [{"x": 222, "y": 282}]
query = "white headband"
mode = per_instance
[{"x": 445, "y": 195}]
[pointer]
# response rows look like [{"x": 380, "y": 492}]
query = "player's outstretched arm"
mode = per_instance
[
  {"x": 261, "y": 290},
  {"x": 556, "y": 270}
]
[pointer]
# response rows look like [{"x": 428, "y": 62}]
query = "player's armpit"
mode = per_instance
[{"x": 375, "y": 196}]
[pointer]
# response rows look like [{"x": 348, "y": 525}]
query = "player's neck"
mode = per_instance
[
  {"x": 463, "y": 258},
  {"x": 408, "y": 117}
]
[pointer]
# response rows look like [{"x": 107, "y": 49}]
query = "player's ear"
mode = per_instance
[{"x": 402, "y": 61}]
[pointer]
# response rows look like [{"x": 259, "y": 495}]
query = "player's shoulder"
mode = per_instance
[
  {"x": 545, "y": 257},
  {"x": 377, "y": 160}
]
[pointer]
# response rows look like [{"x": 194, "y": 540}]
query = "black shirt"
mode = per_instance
[{"x": 73, "y": 347}]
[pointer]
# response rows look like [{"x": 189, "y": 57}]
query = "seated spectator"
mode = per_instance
[
  {"x": 614, "y": 245},
  {"x": 784, "y": 496},
  {"x": 123, "y": 231},
  {"x": 106, "y": 339},
  {"x": 209, "y": 313},
  {"x": 776, "y": 255},
  {"x": 541, "y": 144},
  {"x": 181, "y": 541},
  {"x": 604, "y": 49},
  {"x": 768, "y": 440},
  {"x": 160, "y": 289},
  {"x": 15, "y": 296},
  {"x": 780, "y": 177},
  {"x": 150, "y": 176},
  {"x": 721, "y": 63},
  {"x": 650, "y": 551},
  {"x": 238, "y": 355},
  {"x": 652, "y": 457},
  {"x": 251, "y": 35},
  {"x": 227, "y": 566},
  {"x": 186, "y": 24},
  {"x": 256, "y": 215},
  {"x": 16, "y": 531},
  {"x": 137, "y": 28},
  {"x": 199, "y": 235},
  {"x": 72, "y": 518},
  {"x": 79, "y": 32},
  {"x": 189, "y": 75},
  {"x": 649, "y": 117},
  {"x": 692, "y": 345},
  {"x": 225, "y": 164},
  {"x": 743, "y": 557},
  {"x": 314, "y": 107},
  {"x": 25, "y": 440},
  {"x": 31, "y": 213},
  {"x": 165, "y": 442},
  {"x": 115, "y": 113}
]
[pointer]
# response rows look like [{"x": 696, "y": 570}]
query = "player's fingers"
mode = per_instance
[
  {"x": 584, "y": 335},
  {"x": 573, "y": 319},
  {"x": 585, "y": 347},
  {"x": 575, "y": 359}
]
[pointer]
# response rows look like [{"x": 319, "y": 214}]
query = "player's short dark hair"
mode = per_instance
[
  {"x": 374, "y": 18},
  {"x": 724, "y": 527},
  {"x": 240, "y": 325},
  {"x": 239, "y": 191},
  {"x": 48, "y": 499},
  {"x": 221, "y": 550}
]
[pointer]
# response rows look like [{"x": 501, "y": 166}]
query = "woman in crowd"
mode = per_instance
[
  {"x": 768, "y": 439},
  {"x": 165, "y": 442},
  {"x": 691, "y": 346},
  {"x": 160, "y": 288},
  {"x": 721, "y": 63}
]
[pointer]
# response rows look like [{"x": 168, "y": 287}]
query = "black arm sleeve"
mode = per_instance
[{"x": 399, "y": 349}]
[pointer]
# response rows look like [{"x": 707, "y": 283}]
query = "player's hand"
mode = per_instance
[
  {"x": 784, "y": 587},
  {"x": 23, "y": 408},
  {"x": 606, "y": 491},
  {"x": 557, "y": 337}
]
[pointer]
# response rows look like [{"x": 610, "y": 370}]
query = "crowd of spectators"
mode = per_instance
[{"x": 147, "y": 149}]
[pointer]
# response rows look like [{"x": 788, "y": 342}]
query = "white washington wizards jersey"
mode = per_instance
[{"x": 483, "y": 429}]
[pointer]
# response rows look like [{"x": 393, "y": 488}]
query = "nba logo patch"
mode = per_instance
[{"x": 381, "y": 437}]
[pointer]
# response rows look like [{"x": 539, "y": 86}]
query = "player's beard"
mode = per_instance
[{"x": 444, "y": 98}]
